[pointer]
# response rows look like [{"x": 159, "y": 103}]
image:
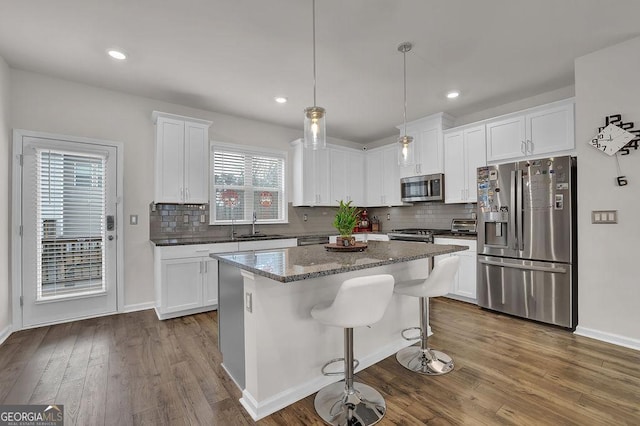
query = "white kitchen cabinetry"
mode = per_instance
[
  {"x": 186, "y": 277},
  {"x": 382, "y": 177},
  {"x": 181, "y": 159},
  {"x": 347, "y": 176},
  {"x": 533, "y": 133},
  {"x": 464, "y": 284},
  {"x": 311, "y": 183},
  {"x": 464, "y": 152},
  {"x": 428, "y": 140}
]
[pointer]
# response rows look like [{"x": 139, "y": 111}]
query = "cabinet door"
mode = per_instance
[
  {"x": 475, "y": 156},
  {"x": 506, "y": 139},
  {"x": 454, "y": 168},
  {"x": 196, "y": 152},
  {"x": 391, "y": 176},
  {"x": 373, "y": 184},
  {"x": 430, "y": 152},
  {"x": 338, "y": 167},
  {"x": 323, "y": 181},
  {"x": 181, "y": 284},
  {"x": 466, "y": 283},
  {"x": 550, "y": 130},
  {"x": 355, "y": 178},
  {"x": 169, "y": 161},
  {"x": 210, "y": 288}
]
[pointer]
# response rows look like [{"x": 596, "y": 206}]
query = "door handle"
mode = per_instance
[
  {"x": 530, "y": 146},
  {"x": 519, "y": 207},
  {"x": 523, "y": 147},
  {"x": 512, "y": 211},
  {"x": 553, "y": 269}
]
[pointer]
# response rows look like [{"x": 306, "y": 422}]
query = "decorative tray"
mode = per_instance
[{"x": 357, "y": 247}]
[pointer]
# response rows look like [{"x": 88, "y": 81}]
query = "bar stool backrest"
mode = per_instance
[
  {"x": 360, "y": 301},
  {"x": 441, "y": 277}
]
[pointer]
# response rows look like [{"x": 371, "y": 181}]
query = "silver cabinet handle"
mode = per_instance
[
  {"x": 523, "y": 147},
  {"x": 530, "y": 146},
  {"x": 181, "y": 194},
  {"x": 554, "y": 269}
]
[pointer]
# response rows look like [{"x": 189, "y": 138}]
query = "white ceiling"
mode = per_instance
[{"x": 234, "y": 56}]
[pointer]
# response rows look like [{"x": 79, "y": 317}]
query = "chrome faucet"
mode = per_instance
[{"x": 253, "y": 223}]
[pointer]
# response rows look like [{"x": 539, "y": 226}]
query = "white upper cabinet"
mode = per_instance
[
  {"x": 428, "y": 140},
  {"x": 533, "y": 133},
  {"x": 181, "y": 159},
  {"x": 382, "y": 177},
  {"x": 326, "y": 176},
  {"x": 464, "y": 152},
  {"x": 311, "y": 185},
  {"x": 346, "y": 176}
]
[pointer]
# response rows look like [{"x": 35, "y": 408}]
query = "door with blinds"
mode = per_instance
[{"x": 69, "y": 245}]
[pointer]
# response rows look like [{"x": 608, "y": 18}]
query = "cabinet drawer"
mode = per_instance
[
  {"x": 267, "y": 244},
  {"x": 194, "y": 250}
]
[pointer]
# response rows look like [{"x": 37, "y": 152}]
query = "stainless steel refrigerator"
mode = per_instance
[{"x": 527, "y": 262}]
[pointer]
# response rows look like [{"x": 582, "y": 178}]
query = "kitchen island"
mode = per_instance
[{"x": 272, "y": 348}]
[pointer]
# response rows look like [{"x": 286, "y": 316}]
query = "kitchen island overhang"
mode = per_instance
[{"x": 271, "y": 346}]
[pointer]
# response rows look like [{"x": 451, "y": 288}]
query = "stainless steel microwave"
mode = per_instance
[{"x": 422, "y": 188}]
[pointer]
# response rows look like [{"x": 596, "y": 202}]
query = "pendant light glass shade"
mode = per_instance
[
  {"x": 315, "y": 134},
  {"x": 406, "y": 156},
  {"x": 405, "y": 151}
]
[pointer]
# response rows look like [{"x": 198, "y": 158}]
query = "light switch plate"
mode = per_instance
[
  {"x": 604, "y": 216},
  {"x": 133, "y": 219},
  {"x": 249, "y": 301}
]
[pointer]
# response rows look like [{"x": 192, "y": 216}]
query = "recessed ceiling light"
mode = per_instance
[
  {"x": 453, "y": 94},
  {"x": 281, "y": 99},
  {"x": 117, "y": 54}
]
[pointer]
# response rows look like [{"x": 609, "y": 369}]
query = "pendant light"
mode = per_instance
[
  {"x": 315, "y": 135},
  {"x": 405, "y": 142}
]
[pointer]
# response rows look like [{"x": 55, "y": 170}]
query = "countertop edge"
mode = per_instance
[{"x": 299, "y": 277}]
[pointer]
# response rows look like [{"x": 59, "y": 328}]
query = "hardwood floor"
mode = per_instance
[{"x": 134, "y": 369}]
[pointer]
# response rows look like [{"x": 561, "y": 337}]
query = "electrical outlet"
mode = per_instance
[
  {"x": 202, "y": 218},
  {"x": 388, "y": 216},
  {"x": 185, "y": 218},
  {"x": 305, "y": 217},
  {"x": 249, "y": 301}
]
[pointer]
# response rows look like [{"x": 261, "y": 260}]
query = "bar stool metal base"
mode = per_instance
[
  {"x": 365, "y": 406},
  {"x": 425, "y": 361}
]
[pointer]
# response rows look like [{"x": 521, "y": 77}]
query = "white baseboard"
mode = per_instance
[
  {"x": 260, "y": 409},
  {"x": 138, "y": 307},
  {"x": 608, "y": 337},
  {"x": 4, "y": 334},
  {"x": 193, "y": 311}
]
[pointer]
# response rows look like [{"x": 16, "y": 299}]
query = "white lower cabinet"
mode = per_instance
[
  {"x": 464, "y": 284},
  {"x": 186, "y": 277}
]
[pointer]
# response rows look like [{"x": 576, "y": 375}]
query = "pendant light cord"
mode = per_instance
[
  {"x": 313, "y": 14},
  {"x": 404, "y": 65}
]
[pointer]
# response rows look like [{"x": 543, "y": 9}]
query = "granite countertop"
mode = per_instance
[
  {"x": 260, "y": 237},
  {"x": 299, "y": 263}
]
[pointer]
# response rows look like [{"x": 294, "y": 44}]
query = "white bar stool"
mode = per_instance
[
  {"x": 360, "y": 302},
  {"x": 423, "y": 359}
]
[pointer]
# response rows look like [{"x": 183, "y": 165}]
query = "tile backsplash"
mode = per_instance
[{"x": 190, "y": 220}]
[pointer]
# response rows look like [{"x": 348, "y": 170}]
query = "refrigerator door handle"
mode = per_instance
[
  {"x": 553, "y": 269},
  {"x": 519, "y": 221},
  {"x": 512, "y": 211}
]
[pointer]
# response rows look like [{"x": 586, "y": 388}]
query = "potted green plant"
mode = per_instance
[{"x": 345, "y": 220}]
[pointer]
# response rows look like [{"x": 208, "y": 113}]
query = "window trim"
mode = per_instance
[{"x": 253, "y": 151}]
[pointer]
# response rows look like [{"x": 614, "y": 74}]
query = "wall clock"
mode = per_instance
[
  {"x": 628, "y": 126},
  {"x": 611, "y": 139}
]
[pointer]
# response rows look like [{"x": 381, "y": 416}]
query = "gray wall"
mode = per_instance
[
  {"x": 46, "y": 104},
  {"x": 609, "y": 287},
  {"x": 5, "y": 200}
]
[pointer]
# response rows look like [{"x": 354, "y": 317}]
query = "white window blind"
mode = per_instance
[
  {"x": 244, "y": 181},
  {"x": 70, "y": 206}
]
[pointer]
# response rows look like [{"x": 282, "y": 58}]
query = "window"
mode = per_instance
[
  {"x": 70, "y": 206},
  {"x": 245, "y": 180}
]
